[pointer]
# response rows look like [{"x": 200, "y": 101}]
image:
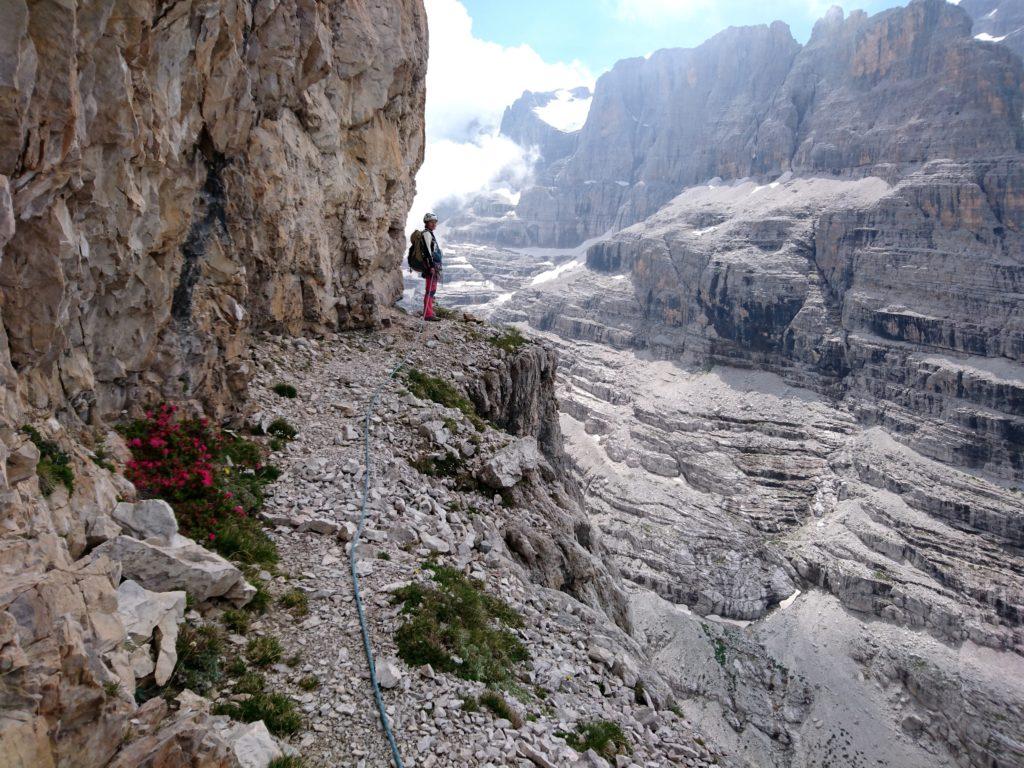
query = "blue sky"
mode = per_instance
[{"x": 600, "y": 32}]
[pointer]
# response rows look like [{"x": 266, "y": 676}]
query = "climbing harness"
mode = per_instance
[{"x": 368, "y": 472}]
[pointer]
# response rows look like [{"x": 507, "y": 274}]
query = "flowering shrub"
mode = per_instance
[{"x": 213, "y": 481}]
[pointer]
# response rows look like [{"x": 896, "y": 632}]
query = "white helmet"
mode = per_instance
[{"x": 429, "y": 217}]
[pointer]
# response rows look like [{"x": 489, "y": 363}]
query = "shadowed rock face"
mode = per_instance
[
  {"x": 998, "y": 21},
  {"x": 180, "y": 174},
  {"x": 866, "y": 95}
]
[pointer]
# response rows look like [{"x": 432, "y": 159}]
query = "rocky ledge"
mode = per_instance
[{"x": 480, "y": 490}]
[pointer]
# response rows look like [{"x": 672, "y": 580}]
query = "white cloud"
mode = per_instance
[
  {"x": 469, "y": 83},
  {"x": 658, "y": 11}
]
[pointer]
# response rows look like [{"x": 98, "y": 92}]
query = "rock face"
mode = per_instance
[
  {"x": 181, "y": 174},
  {"x": 523, "y": 122},
  {"x": 794, "y": 403},
  {"x": 173, "y": 177},
  {"x": 997, "y": 21},
  {"x": 752, "y": 102}
]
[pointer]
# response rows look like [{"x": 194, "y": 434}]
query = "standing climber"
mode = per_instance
[{"x": 426, "y": 258}]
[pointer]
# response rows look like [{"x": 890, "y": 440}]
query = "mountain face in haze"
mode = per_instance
[
  {"x": 998, "y": 21},
  {"x": 866, "y": 95}
]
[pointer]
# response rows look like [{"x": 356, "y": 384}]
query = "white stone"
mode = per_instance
[
  {"x": 150, "y": 519},
  {"x": 142, "y": 611}
]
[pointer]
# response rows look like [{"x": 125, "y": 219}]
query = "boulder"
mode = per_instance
[
  {"x": 507, "y": 466},
  {"x": 182, "y": 566},
  {"x": 389, "y": 674},
  {"x": 151, "y": 519},
  {"x": 252, "y": 744},
  {"x": 143, "y": 612}
]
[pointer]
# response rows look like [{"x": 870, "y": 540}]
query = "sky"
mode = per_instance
[
  {"x": 485, "y": 53},
  {"x": 600, "y": 32}
]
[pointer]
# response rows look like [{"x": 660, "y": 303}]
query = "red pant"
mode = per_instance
[{"x": 428, "y": 293}]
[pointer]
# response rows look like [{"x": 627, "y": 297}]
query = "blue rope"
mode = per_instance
[{"x": 368, "y": 459}]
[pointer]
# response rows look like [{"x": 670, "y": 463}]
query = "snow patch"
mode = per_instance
[
  {"x": 551, "y": 274},
  {"x": 783, "y": 605},
  {"x": 565, "y": 112},
  {"x": 987, "y": 38}
]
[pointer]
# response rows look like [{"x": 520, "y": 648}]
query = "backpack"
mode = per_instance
[{"x": 417, "y": 252}]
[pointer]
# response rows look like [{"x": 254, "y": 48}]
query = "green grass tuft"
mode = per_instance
[
  {"x": 603, "y": 736},
  {"x": 457, "y": 618},
  {"x": 276, "y": 710},
  {"x": 285, "y": 390},
  {"x": 54, "y": 466},
  {"x": 237, "y": 621},
  {"x": 309, "y": 683},
  {"x": 264, "y": 651},
  {"x": 289, "y": 761},
  {"x": 495, "y": 702},
  {"x": 251, "y": 683},
  {"x": 295, "y": 601},
  {"x": 282, "y": 430},
  {"x": 510, "y": 340},
  {"x": 440, "y": 391},
  {"x": 200, "y": 659}
]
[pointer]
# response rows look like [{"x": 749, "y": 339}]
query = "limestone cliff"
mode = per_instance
[
  {"x": 866, "y": 95},
  {"x": 174, "y": 175}
]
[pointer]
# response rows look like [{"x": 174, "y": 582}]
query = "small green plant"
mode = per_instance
[
  {"x": 510, "y": 340},
  {"x": 448, "y": 465},
  {"x": 111, "y": 688},
  {"x": 382, "y": 555},
  {"x": 54, "y": 466},
  {"x": 251, "y": 683},
  {"x": 457, "y": 627},
  {"x": 101, "y": 458},
  {"x": 446, "y": 314},
  {"x": 261, "y": 600},
  {"x": 495, "y": 702},
  {"x": 720, "y": 651},
  {"x": 276, "y": 444},
  {"x": 295, "y": 601},
  {"x": 276, "y": 710},
  {"x": 289, "y": 761},
  {"x": 243, "y": 539},
  {"x": 264, "y": 651},
  {"x": 639, "y": 694},
  {"x": 294, "y": 660},
  {"x": 285, "y": 390},
  {"x": 472, "y": 704},
  {"x": 200, "y": 659},
  {"x": 440, "y": 391},
  {"x": 309, "y": 683},
  {"x": 237, "y": 621},
  {"x": 282, "y": 430},
  {"x": 603, "y": 736}
]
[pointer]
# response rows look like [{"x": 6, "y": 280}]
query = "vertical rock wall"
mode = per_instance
[{"x": 174, "y": 175}]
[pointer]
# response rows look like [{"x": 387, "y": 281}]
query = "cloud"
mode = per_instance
[{"x": 469, "y": 83}]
